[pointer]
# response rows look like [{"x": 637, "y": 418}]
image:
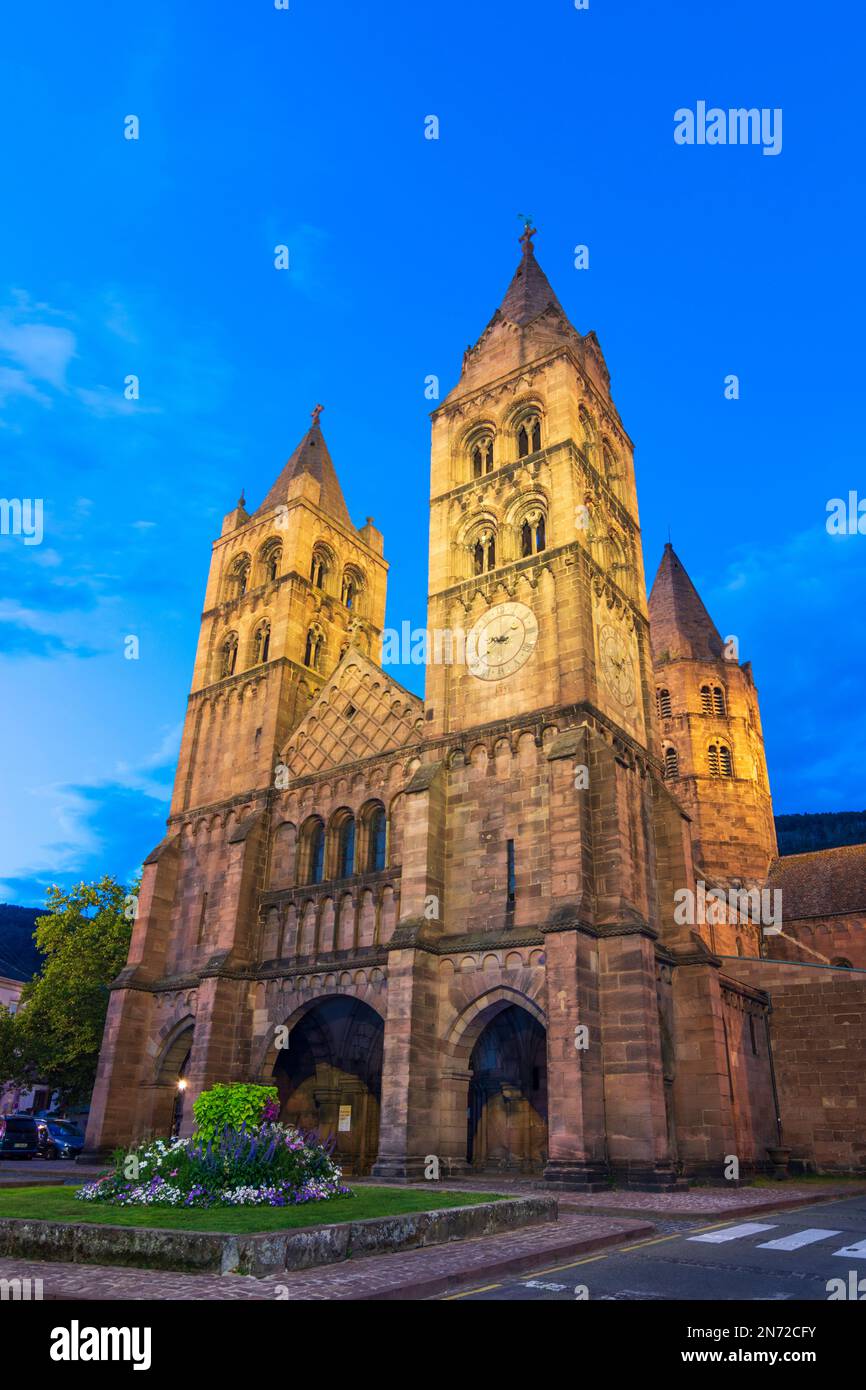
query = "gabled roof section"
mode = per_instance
[
  {"x": 358, "y": 713},
  {"x": 311, "y": 456},
  {"x": 679, "y": 623}
]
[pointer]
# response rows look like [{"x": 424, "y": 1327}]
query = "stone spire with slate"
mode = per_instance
[
  {"x": 312, "y": 457},
  {"x": 680, "y": 625}
]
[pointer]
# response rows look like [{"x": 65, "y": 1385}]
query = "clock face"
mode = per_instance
[
  {"x": 616, "y": 664},
  {"x": 501, "y": 641}
]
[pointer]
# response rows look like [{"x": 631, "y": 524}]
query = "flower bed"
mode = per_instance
[{"x": 268, "y": 1164}]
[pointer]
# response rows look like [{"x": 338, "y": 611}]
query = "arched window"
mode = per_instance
[
  {"x": 720, "y": 761},
  {"x": 228, "y": 655},
  {"x": 261, "y": 643},
  {"x": 352, "y": 585},
  {"x": 663, "y": 704},
  {"x": 841, "y": 963},
  {"x": 346, "y": 848},
  {"x": 314, "y": 649},
  {"x": 713, "y": 700},
  {"x": 272, "y": 556},
  {"x": 481, "y": 454},
  {"x": 319, "y": 568},
  {"x": 587, "y": 427},
  {"x": 484, "y": 553},
  {"x": 528, "y": 436},
  {"x": 376, "y": 839},
  {"x": 532, "y": 532},
  {"x": 672, "y": 763},
  {"x": 315, "y": 857},
  {"x": 239, "y": 577}
]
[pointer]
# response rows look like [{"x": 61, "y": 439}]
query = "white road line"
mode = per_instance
[
  {"x": 798, "y": 1239},
  {"x": 853, "y": 1252},
  {"x": 747, "y": 1228}
]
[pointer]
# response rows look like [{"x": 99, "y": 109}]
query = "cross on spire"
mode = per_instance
[
  {"x": 316, "y": 412},
  {"x": 528, "y": 234}
]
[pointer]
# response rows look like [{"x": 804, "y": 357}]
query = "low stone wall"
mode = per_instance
[{"x": 269, "y": 1253}]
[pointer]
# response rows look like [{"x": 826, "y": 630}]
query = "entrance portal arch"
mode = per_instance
[
  {"x": 329, "y": 1077},
  {"x": 506, "y": 1127}
]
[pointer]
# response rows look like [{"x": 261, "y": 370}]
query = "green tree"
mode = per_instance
[{"x": 56, "y": 1034}]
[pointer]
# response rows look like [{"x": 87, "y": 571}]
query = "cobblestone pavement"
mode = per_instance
[{"x": 413, "y": 1274}]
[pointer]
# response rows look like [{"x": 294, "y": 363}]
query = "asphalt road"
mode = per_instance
[{"x": 786, "y": 1256}]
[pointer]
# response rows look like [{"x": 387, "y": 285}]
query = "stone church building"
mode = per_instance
[{"x": 472, "y": 927}]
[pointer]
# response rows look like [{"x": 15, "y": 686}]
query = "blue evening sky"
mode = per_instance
[{"x": 306, "y": 127}]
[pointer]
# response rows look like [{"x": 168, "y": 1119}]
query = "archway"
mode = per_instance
[
  {"x": 167, "y": 1093},
  {"x": 507, "y": 1113},
  {"x": 329, "y": 1078}
]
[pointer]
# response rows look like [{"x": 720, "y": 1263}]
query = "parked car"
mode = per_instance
[
  {"x": 59, "y": 1138},
  {"x": 19, "y": 1136}
]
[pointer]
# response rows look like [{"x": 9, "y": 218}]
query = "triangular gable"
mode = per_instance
[{"x": 359, "y": 713}]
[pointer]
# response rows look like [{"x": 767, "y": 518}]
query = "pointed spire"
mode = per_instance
[
  {"x": 311, "y": 456},
  {"x": 679, "y": 623},
  {"x": 530, "y": 292}
]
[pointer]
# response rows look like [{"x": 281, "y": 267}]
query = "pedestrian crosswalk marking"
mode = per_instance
[
  {"x": 798, "y": 1239},
  {"x": 747, "y": 1228},
  {"x": 853, "y": 1252}
]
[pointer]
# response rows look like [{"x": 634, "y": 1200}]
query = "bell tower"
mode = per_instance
[
  {"x": 710, "y": 724},
  {"x": 536, "y": 585},
  {"x": 290, "y": 588}
]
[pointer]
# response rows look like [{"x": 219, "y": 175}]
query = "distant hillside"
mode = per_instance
[
  {"x": 820, "y": 830},
  {"x": 19, "y": 958}
]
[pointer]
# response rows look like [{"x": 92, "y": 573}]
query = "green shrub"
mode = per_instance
[{"x": 241, "y": 1103}]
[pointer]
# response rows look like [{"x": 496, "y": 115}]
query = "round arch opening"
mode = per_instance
[
  {"x": 329, "y": 1078},
  {"x": 507, "y": 1113}
]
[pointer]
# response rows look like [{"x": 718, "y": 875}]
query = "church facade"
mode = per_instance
[{"x": 472, "y": 927}]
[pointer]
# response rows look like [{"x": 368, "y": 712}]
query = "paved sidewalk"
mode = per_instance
[
  {"x": 696, "y": 1202},
  {"x": 415, "y": 1274}
]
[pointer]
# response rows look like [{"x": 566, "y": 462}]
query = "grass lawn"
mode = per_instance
[{"x": 60, "y": 1204}]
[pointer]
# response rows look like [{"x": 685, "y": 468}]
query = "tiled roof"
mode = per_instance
[
  {"x": 679, "y": 623},
  {"x": 824, "y": 883},
  {"x": 311, "y": 456}
]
